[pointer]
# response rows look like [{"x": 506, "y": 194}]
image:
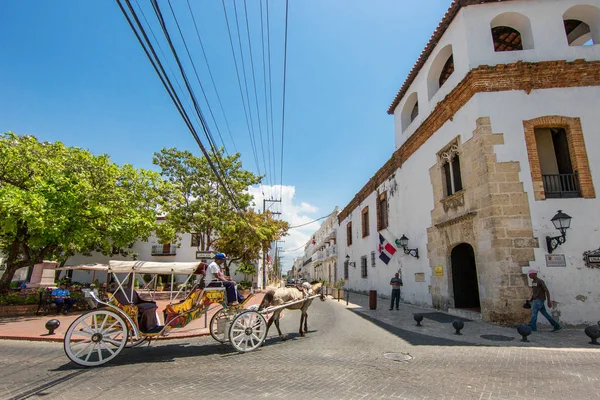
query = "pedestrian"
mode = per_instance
[
  {"x": 88, "y": 297},
  {"x": 396, "y": 282},
  {"x": 539, "y": 294},
  {"x": 62, "y": 296}
]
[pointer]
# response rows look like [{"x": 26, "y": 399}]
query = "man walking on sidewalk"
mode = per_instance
[
  {"x": 539, "y": 294},
  {"x": 396, "y": 282}
]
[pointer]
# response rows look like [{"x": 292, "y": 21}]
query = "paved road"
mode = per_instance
[{"x": 341, "y": 358}]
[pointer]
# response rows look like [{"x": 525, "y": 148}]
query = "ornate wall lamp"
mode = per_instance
[
  {"x": 350, "y": 263},
  {"x": 403, "y": 242},
  {"x": 562, "y": 222}
]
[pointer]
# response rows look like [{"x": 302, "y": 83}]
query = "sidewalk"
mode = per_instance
[
  {"x": 441, "y": 333},
  {"x": 32, "y": 327}
]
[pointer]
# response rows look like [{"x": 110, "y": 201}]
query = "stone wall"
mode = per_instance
[{"x": 491, "y": 214}]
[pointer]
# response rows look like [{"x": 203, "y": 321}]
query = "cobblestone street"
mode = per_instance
[{"x": 342, "y": 357}]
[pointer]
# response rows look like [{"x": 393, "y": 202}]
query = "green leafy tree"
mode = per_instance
[
  {"x": 196, "y": 202},
  {"x": 56, "y": 201},
  {"x": 246, "y": 268},
  {"x": 247, "y": 235}
]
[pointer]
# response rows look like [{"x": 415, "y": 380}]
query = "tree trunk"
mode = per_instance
[{"x": 11, "y": 268}]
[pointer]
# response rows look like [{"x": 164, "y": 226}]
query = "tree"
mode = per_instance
[
  {"x": 246, "y": 268},
  {"x": 56, "y": 201},
  {"x": 196, "y": 202},
  {"x": 248, "y": 235}
]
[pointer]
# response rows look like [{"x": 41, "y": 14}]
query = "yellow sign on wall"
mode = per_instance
[{"x": 439, "y": 271}]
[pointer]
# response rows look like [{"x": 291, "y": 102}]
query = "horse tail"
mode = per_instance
[{"x": 269, "y": 296}]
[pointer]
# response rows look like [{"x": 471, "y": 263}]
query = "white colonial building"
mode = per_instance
[{"x": 497, "y": 128}]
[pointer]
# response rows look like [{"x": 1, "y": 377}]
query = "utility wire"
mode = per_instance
[
  {"x": 262, "y": 146},
  {"x": 211, "y": 76},
  {"x": 271, "y": 92},
  {"x": 308, "y": 223},
  {"x": 159, "y": 69},
  {"x": 262, "y": 39},
  {"x": 199, "y": 83},
  {"x": 237, "y": 71},
  {"x": 283, "y": 101},
  {"x": 253, "y": 138}
]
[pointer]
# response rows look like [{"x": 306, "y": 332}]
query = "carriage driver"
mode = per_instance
[{"x": 214, "y": 277}]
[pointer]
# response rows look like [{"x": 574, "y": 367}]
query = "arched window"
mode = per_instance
[
  {"x": 447, "y": 70},
  {"x": 441, "y": 69},
  {"x": 511, "y": 32},
  {"x": 415, "y": 112},
  {"x": 506, "y": 39},
  {"x": 582, "y": 25},
  {"x": 578, "y": 33},
  {"x": 410, "y": 110}
]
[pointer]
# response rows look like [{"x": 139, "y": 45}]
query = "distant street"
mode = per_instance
[{"x": 342, "y": 357}]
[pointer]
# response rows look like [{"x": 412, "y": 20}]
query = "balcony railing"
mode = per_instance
[
  {"x": 331, "y": 252},
  {"x": 319, "y": 255},
  {"x": 561, "y": 186},
  {"x": 164, "y": 250}
]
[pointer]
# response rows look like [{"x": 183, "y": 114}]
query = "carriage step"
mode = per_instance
[{"x": 156, "y": 329}]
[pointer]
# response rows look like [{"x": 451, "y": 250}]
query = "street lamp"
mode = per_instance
[
  {"x": 403, "y": 242},
  {"x": 562, "y": 222},
  {"x": 350, "y": 263}
]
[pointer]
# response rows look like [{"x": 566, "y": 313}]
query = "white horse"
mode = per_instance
[{"x": 281, "y": 296}]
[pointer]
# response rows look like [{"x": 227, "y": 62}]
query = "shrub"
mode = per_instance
[
  {"x": 339, "y": 284},
  {"x": 12, "y": 298},
  {"x": 243, "y": 285}
]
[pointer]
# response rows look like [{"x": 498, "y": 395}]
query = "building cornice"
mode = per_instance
[{"x": 483, "y": 79}]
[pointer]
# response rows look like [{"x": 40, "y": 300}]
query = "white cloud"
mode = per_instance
[{"x": 294, "y": 212}]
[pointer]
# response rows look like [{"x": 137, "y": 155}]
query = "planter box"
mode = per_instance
[
  {"x": 339, "y": 293},
  {"x": 18, "y": 310}
]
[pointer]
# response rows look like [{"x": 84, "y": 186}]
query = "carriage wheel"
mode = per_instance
[
  {"x": 95, "y": 338},
  {"x": 220, "y": 317},
  {"x": 248, "y": 331}
]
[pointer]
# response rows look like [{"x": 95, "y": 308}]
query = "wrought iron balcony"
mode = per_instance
[
  {"x": 561, "y": 186},
  {"x": 164, "y": 250}
]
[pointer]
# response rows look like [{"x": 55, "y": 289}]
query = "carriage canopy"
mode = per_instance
[{"x": 153, "y": 267}]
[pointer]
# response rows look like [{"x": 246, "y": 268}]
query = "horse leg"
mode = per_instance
[
  {"x": 302, "y": 317},
  {"x": 306, "y": 321},
  {"x": 268, "y": 326},
  {"x": 282, "y": 336}
]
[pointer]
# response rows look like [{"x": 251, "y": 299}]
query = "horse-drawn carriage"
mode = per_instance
[{"x": 98, "y": 336}]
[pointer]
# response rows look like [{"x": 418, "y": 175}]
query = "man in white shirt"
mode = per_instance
[
  {"x": 214, "y": 277},
  {"x": 88, "y": 297}
]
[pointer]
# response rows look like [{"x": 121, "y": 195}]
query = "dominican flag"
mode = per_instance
[{"x": 386, "y": 250}]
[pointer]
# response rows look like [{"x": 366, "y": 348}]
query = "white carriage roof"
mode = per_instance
[
  {"x": 84, "y": 267},
  {"x": 153, "y": 267}
]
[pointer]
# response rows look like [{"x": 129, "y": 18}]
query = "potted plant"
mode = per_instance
[
  {"x": 159, "y": 284},
  {"x": 244, "y": 288},
  {"x": 339, "y": 285}
]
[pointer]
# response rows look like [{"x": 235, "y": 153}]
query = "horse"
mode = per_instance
[{"x": 281, "y": 296}]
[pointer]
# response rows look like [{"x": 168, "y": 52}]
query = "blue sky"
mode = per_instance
[{"x": 73, "y": 71}]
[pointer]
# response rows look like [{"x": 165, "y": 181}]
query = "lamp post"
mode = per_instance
[
  {"x": 562, "y": 222},
  {"x": 403, "y": 242}
]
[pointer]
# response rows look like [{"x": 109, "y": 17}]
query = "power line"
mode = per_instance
[
  {"x": 308, "y": 223},
  {"x": 262, "y": 40},
  {"x": 159, "y": 69},
  {"x": 211, "y": 75},
  {"x": 262, "y": 146},
  {"x": 283, "y": 101},
  {"x": 237, "y": 71},
  {"x": 237, "y": 24},
  {"x": 271, "y": 91}
]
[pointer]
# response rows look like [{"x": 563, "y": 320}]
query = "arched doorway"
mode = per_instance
[{"x": 464, "y": 277}]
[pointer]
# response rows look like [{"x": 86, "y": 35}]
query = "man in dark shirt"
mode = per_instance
[
  {"x": 539, "y": 294},
  {"x": 396, "y": 282}
]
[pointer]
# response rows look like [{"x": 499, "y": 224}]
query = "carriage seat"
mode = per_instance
[{"x": 180, "y": 314}]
